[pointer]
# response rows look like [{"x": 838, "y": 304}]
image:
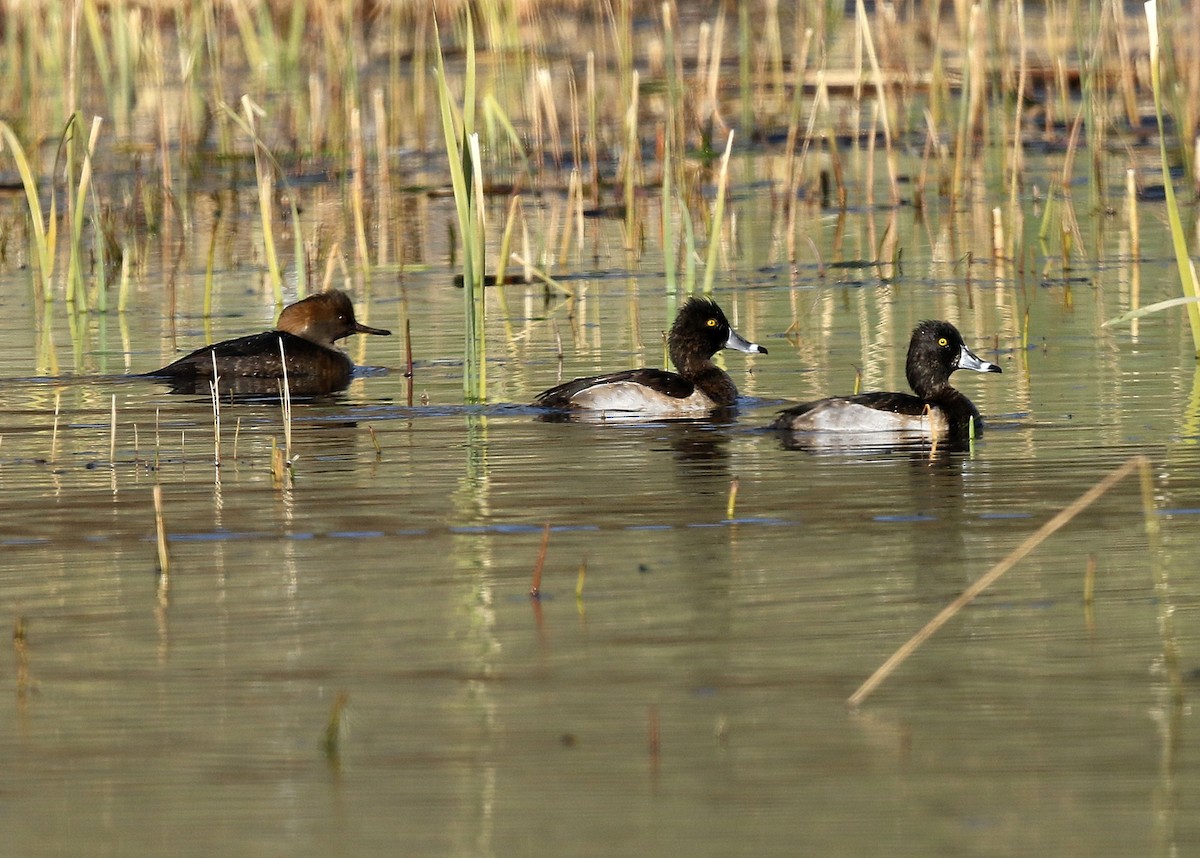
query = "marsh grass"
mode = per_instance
[
  {"x": 955, "y": 85},
  {"x": 462, "y": 149},
  {"x": 1186, "y": 269}
]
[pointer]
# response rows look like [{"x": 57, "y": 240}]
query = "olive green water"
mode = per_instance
[
  {"x": 690, "y": 701},
  {"x": 685, "y": 695}
]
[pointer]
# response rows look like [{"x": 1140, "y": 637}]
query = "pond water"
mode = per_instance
[
  {"x": 690, "y": 697},
  {"x": 680, "y": 686}
]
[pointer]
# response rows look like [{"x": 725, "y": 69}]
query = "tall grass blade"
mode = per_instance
[
  {"x": 718, "y": 217},
  {"x": 1187, "y": 274},
  {"x": 42, "y": 237}
]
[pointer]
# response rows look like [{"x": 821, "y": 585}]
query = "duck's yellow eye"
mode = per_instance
[
  {"x": 712, "y": 323},
  {"x": 943, "y": 342}
]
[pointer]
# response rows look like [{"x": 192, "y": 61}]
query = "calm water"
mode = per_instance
[{"x": 691, "y": 700}]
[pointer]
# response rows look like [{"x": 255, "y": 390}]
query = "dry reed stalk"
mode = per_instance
[
  {"x": 1131, "y": 210},
  {"x": 1015, "y": 165},
  {"x": 408, "y": 359},
  {"x": 375, "y": 442},
  {"x": 744, "y": 86},
  {"x": 593, "y": 155},
  {"x": 564, "y": 245},
  {"x": 543, "y": 86},
  {"x": 653, "y": 737},
  {"x": 266, "y": 192},
  {"x": 112, "y": 434},
  {"x": 331, "y": 739},
  {"x": 383, "y": 179},
  {"x": 869, "y": 177},
  {"x": 800, "y": 65},
  {"x": 160, "y": 537},
  {"x": 580, "y": 578},
  {"x": 358, "y": 168},
  {"x": 285, "y": 404},
  {"x": 20, "y": 642},
  {"x": 882, "y": 101},
  {"x": 731, "y": 503},
  {"x": 54, "y": 431},
  {"x": 1044, "y": 532},
  {"x": 215, "y": 394},
  {"x": 718, "y": 216},
  {"x": 632, "y": 162},
  {"x": 711, "y": 115},
  {"x": 535, "y": 586}
]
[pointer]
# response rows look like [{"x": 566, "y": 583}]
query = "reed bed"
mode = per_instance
[{"x": 633, "y": 125}]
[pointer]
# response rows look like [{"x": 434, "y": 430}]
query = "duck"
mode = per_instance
[
  {"x": 700, "y": 386},
  {"x": 306, "y": 330},
  {"x": 935, "y": 350}
]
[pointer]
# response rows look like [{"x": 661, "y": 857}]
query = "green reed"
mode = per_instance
[
  {"x": 462, "y": 149},
  {"x": 1183, "y": 262},
  {"x": 44, "y": 229}
]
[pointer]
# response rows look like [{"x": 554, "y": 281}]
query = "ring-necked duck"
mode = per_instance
[
  {"x": 700, "y": 331},
  {"x": 307, "y": 329},
  {"x": 934, "y": 352}
]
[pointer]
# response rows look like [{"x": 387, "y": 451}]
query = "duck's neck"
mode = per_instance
[
  {"x": 689, "y": 364},
  {"x": 707, "y": 376}
]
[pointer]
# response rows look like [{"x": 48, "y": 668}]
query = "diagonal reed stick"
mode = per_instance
[{"x": 1016, "y": 555}]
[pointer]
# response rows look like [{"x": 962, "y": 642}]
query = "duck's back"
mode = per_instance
[{"x": 311, "y": 369}]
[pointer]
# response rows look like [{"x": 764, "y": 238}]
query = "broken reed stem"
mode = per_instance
[
  {"x": 408, "y": 363},
  {"x": 718, "y": 216},
  {"x": 580, "y": 579},
  {"x": 215, "y": 393},
  {"x": 285, "y": 404},
  {"x": 375, "y": 441},
  {"x": 160, "y": 536},
  {"x": 535, "y": 587},
  {"x": 112, "y": 435},
  {"x": 1015, "y": 556},
  {"x": 732, "y": 502},
  {"x": 333, "y": 727}
]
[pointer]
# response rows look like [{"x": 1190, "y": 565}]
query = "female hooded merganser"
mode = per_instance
[
  {"x": 700, "y": 331},
  {"x": 253, "y": 364},
  {"x": 938, "y": 410}
]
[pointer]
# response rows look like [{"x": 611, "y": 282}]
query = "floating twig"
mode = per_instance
[
  {"x": 1015, "y": 556},
  {"x": 535, "y": 587},
  {"x": 160, "y": 535},
  {"x": 331, "y": 742}
]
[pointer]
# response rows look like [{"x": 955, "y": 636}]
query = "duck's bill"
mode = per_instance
[
  {"x": 360, "y": 328},
  {"x": 969, "y": 360},
  {"x": 737, "y": 341}
]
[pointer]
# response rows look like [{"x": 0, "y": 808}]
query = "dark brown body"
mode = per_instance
[{"x": 254, "y": 364}]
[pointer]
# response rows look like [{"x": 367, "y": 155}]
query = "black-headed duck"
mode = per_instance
[
  {"x": 938, "y": 410},
  {"x": 700, "y": 331},
  {"x": 307, "y": 330}
]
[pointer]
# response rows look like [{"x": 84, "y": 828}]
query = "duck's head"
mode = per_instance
[
  {"x": 323, "y": 319},
  {"x": 701, "y": 330},
  {"x": 934, "y": 352}
]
